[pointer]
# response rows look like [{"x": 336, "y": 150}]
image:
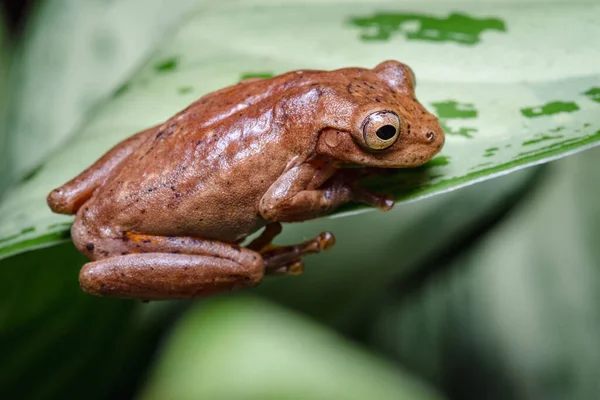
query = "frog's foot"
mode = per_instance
[
  {"x": 347, "y": 177},
  {"x": 382, "y": 201},
  {"x": 287, "y": 260}
]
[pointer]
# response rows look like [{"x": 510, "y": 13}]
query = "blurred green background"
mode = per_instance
[{"x": 488, "y": 292}]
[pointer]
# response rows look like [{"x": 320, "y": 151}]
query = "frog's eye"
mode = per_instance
[{"x": 381, "y": 129}]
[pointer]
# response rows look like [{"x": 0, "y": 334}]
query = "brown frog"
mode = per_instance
[{"x": 162, "y": 213}]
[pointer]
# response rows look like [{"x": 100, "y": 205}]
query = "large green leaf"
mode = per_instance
[
  {"x": 73, "y": 54},
  {"x": 242, "y": 348},
  {"x": 510, "y": 93}
]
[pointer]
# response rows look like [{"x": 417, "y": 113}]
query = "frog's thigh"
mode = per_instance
[
  {"x": 68, "y": 198},
  {"x": 153, "y": 276}
]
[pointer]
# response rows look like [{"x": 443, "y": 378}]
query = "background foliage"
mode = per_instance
[{"x": 490, "y": 291}]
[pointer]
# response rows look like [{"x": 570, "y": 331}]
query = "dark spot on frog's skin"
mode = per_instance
[
  {"x": 228, "y": 182},
  {"x": 146, "y": 241},
  {"x": 150, "y": 189},
  {"x": 125, "y": 239},
  {"x": 349, "y": 88},
  {"x": 89, "y": 246},
  {"x": 377, "y": 100},
  {"x": 124, "y": 253},
  {"x": 174, "y": 252}
]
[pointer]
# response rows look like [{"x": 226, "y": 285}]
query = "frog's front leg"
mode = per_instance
[
  {"x": 313, "y": 189},
  {"x": 156, "y": 267}
]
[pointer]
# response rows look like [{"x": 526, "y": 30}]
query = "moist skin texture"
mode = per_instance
[{"x": 161, "y": 214}]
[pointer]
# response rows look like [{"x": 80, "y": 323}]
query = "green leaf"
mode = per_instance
[
  {"x": 518, "y": 314},
  {"x": 242, "y": 348},
  {"x": 75, "y": 53},
  {"x": 478, "y": 88},
  {"x": 5, "y": 56},
  {"x": 68, "y": 343}
]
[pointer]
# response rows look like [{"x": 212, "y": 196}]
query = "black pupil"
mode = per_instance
[{"x": 386, "y": 132}]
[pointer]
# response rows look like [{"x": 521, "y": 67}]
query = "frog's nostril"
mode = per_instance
[{"x": 430, "y": 136}]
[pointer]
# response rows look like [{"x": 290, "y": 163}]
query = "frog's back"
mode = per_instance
[{"x": 204, "y": 171}]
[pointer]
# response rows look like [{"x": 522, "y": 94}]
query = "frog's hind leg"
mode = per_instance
[
  {"x": 148, "y": 267},
  {"x": 156, "y": 267},
  {"x": 164, "y": 276},
  {"x": 68, "y": 198}
]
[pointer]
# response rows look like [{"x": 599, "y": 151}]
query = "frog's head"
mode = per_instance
[{"x": 383, "y": 123}]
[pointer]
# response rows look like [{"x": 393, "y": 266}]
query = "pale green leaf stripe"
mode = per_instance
[
  {"x": 512, "y": 98},
  {"x": 73, "y": 54},
  {"x": 5, "y": 57}
]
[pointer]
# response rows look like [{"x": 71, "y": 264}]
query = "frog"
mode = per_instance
[{"x": 190, "y": 207}]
